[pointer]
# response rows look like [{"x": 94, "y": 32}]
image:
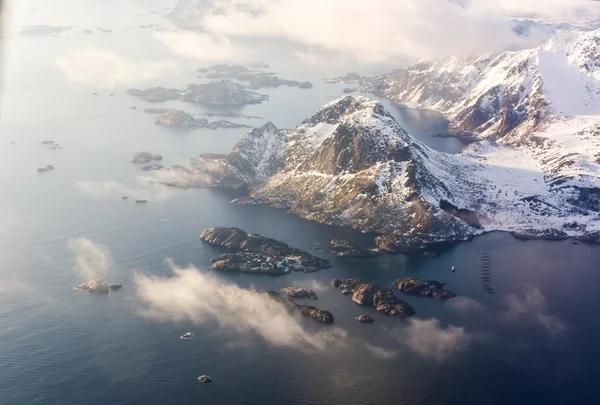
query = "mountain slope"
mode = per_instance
[
  {"x": 352, "y": 164},
  {"x": 505, "y": 96}
]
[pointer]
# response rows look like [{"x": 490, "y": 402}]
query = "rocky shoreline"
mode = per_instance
[
  {"x": 317, "y": 314},
  {"x": 382, "y": 299},
  {"x": 216, "y": 93},
  {"x": 427, "y": 288},
  {"x": 257, "y": 254},
  {"x": 172, "y": 118},
  {"x": 344, "y": 248},
  {"x": 254, "y": 79}
]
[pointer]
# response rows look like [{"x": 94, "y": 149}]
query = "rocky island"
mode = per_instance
[
  {"x": 382, "y": 299},
  {"x": 257, "y": 254},
  {"x": 48, "y": 168},
  {"x": 427, "y": 288},
  {"x": 145, "y": 157},
  {"x": 317, "y": 314},
  {"x": 364, "y": 319},
  {"x": 299, "y": 293},
  {"x": 169, "y": 117},
  {"x": 94, "y": 286},
  {"x": 216, "y": 93},
  {"x": 256, "y": 80},
  {"x": 344, "y": 248}
]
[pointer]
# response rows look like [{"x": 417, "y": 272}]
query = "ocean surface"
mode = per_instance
[{"x": 534, "y": 342}]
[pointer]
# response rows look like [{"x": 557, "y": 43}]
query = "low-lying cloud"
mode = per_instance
[
  {"x": 192, "y": 295},
  {"x": 105, "y": 68},
  {"x": 114, "y": 189},
  {"x": 92, "y": 260},
  {"x": 390, "y": 30},
  {"x": 464, "y": 304},
  {"x": 202, "y": 46},
  {"x": 534, "y": 306},
  {"x": 431, "y": 340}
]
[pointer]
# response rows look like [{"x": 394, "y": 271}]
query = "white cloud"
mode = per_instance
[
  {"x": 382, "y": 353},
  {"x": 92, "y": 260},
  {"x": 201, "y": 297},
  {"x": 534, "y": 305},
  {"x": 464, "y": 304},
  {"x": 430, "y": 340},
  {"x": 106, "y": 68},
  {"x": 387, "y": 30},
  {"x": 113, "y": 189},
  {"x": 202, "y": 46}
]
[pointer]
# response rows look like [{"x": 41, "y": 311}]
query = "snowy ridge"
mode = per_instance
[
  {"x": 352, "y": 164},
  {"x": 259, "y": 155},
  {"x": 505, "y": 96}
]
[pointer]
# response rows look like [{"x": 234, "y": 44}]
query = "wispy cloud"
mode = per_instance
[
  {"x": 382, "y": 353},
  {"x": 114, "y": 189},
  {"x": 431, "y": 340},
  {"x": 464, "y": 304},
  {"x": 388, "y": 30},
  {"x": 534, "y": 306},
  {"x": 192, "y": 295},
  {"x": 203, "y": 47},
  {"x": 92, "y": 260},
  {"x": 105, "y": 68}
]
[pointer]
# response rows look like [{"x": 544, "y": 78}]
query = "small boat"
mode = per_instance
[
  {"x": 453, "y": 270},
  {"x": 187, "y": 336}
]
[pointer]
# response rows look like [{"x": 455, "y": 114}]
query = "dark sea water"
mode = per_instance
[{"x": 535, "y": 342}]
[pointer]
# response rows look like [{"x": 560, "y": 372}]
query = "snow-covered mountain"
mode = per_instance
[
  {"x": 352, "y": 164},
  {"x": 505, "y": 96}
]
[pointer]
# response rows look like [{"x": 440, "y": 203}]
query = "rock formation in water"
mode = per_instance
[
  {"x": 257, "y": 254},
  {"x": 299, "y": 293},
  {"x": 170, "y": 117},
  {"x": 364, "y": 319},
  {"x": 344, "y": 248},
  {"x": 48, "y": 168},
  {"x": 95, "y": 286},
  {"x": 317, "y": 314},
  {"x": 427, "y": 288},
  {"x": 255, "y": 80},
  {"x": 382, "y": 299},
  {"x": 217, "y": 93},
  {"x": 145, "y": 157},
  {"x": 204, "y": 379},
  {"x": 151, "y": 166}
]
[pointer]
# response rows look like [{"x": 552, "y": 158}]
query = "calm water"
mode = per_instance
[{"x": 58, "y": 346}]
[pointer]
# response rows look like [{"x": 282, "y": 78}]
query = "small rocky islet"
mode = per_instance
[
  {"x": 172, "y": 118},
  {"x": 216, "y": 93},
  {"x": 299, "y": 293},
  {"x": 145, "y": 157},
  {"x": 48, "y": 168},
  {"x": 317, "y": 314},
  {"x": 364, "y": 319},
  {"x": 344, "y": 248},
  {"x": 257, "y": 254},
  {"x": 382, "y": 299},
  {"x": 254, "y": 79},
  {"x": 427, "y": 288}
]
